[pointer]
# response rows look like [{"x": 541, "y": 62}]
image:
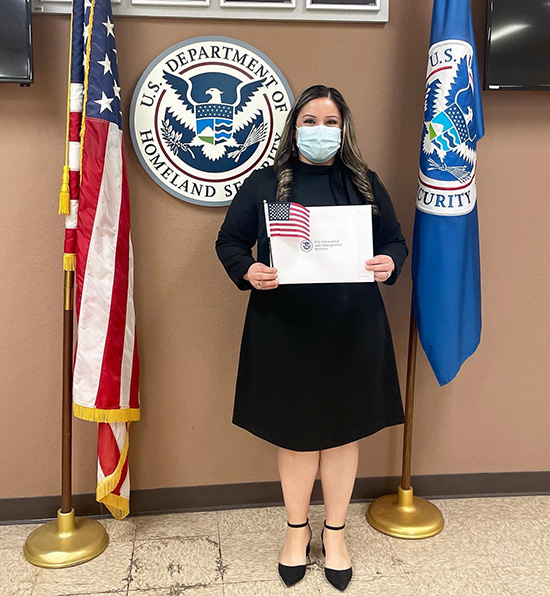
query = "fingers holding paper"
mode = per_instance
[
  {"x": 262, "y": 277},
  {"x": 382, "y": 265}
]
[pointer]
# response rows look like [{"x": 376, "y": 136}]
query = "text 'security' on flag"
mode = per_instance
[{"x": 445, "y": 259}]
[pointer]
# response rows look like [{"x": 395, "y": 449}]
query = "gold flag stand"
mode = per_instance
[
  {"x": 68, "y": 540},
  {"x": 403, "y": 515}
]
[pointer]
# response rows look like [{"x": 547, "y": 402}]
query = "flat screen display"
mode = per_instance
[
  {"x": 15, "y": 41},
  {"x": 518, "y": 45}
]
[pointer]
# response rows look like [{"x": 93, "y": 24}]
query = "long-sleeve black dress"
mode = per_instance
[{"x": 317, "y": 366}]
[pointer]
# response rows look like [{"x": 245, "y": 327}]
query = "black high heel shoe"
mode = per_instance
[
  {"x": 292, "y": 574},
  {"x": 339, "y": 578}
]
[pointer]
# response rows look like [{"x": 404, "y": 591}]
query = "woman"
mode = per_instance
[{"x": 317, "y": 368}]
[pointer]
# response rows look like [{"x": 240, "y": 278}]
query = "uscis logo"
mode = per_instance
[
  {"x": 204, "y": 114},
  {"x": 306, "y": 245},
  {"x": 448, "y": 155}
]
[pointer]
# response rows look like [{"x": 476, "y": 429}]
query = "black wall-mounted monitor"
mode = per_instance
[
  {"x": 15, "y": 42},
  {"x": 518, "y": 45}
]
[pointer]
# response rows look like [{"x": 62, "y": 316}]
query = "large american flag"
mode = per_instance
[
  {"x": 98, "y": 246},
  {"x": 288, "y": 219}
]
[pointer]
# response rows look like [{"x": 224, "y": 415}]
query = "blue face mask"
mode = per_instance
[{"x": 318, "y": 143}]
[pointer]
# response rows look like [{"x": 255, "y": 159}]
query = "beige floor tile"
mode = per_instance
[
  {"x": 452, "y": 548},
  {"x": 120, "y": 530},
  {"x": 526, "y": 581},
  {"x": 179, "y": 555},
  {"x": 176, "y": 562},
  {"x": 540, "y": 504},
  {"x": 444, "y": 505},
  {"x": 109, "y": 571},
  {"x": 357, "y": 515},
  {"x": 458, "y": 582},
  {"x": 507, "y": 543},
  {"x": 252, "y": 557},
  {"x": 490, "y": 509},
  {"x": 201, "y": 523},
  {"x": 371, "y": 585},
  {"x": 14, "y": 536},
  {"x": 252, "y": 520},
  {"x": 17, "y": 575},
  {"x": 305, "y": 587},
  {"x": 181, "y": 591}
]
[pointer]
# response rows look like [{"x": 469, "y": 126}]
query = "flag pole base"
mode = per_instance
[
  {"x": 405, "y": 516},
  {"x": 65, "y": 542}
]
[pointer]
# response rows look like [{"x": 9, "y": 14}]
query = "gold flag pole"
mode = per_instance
[
  {"x": 67, "y": 540},
  {"x": 403, "y": 515}
]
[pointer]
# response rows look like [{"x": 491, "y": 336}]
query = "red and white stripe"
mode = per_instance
[
  {"x": 75, "y": 120},
  {"x": 106, "y": 364},
  {"x": 296, "y": 226},
  {"x": 113, "y": 472}
]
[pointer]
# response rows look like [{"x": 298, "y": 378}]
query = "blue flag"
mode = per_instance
[{"x": 445, "y": 259}]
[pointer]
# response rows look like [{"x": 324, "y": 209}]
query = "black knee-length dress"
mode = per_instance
[{"x": 317, "y": 366}]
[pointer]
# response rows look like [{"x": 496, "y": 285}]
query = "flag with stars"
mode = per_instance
[
  {"x": 288, "y": 219},
  {"x": 106, "y": 364}
]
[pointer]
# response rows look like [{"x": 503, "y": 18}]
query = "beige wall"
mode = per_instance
[{"x": 492, "y": 418}]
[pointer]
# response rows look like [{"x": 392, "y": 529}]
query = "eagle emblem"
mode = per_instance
[
  {"x": 449, "y": 137},
  {"x": 213, "y": 117}
]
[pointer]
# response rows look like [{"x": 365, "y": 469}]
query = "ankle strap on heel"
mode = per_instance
[
  {"x": 333, "y": 527},
  {"x": 298, "y": 525}
]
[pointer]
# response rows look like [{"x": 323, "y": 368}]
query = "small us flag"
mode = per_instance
[{"x": 289, "y": 220}]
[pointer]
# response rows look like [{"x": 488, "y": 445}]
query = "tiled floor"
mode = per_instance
[{"x": 488, "y": 547}]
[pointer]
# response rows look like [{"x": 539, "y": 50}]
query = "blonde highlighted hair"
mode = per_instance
[{"x": 349, "y": 152}]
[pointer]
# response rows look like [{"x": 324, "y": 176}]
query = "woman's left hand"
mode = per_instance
[{"x": 382, "y": 265}]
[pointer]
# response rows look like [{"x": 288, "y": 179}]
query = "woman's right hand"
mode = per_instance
[{"x": 261, "y": 277}]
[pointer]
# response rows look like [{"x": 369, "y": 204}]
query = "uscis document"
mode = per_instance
[{"x": 320, "y": 244}]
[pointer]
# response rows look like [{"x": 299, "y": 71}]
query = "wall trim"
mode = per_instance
[{"x": 264, "y": 494}]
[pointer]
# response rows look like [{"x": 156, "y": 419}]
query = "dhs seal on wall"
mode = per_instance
[
  {"x": 448, "y": 152},
  {"x": 205, "y": 114}
]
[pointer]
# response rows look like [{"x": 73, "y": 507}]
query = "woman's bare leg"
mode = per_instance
[
  {"x": 297, "y": 470},
  {"x": 338, "y": 473}
]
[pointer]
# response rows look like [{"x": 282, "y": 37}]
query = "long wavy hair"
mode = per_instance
[{"x": 349, "y": 152}]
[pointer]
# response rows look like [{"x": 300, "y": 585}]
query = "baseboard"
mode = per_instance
[{"x": 263, "y": 494}]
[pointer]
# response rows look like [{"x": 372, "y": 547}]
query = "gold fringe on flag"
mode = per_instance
[
  {"x": 116, "y": 504},
  {"x": 99, "y": 415}
]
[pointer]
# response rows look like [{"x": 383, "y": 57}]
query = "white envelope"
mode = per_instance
[{"x": 331, "y": 248}]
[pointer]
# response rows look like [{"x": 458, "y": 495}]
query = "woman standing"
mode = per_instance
[{"x": 317, "y": 367}]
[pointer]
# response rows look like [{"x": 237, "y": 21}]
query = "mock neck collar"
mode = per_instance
[{"x": 313, "y": 169}]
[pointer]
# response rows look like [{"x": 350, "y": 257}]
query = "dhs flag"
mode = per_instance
[{"x": 445, "y": 259}]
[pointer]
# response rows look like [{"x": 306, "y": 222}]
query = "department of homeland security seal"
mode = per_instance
[
  {"x": 448, "y": 152},
  {"x": 205, "y": 114}
]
